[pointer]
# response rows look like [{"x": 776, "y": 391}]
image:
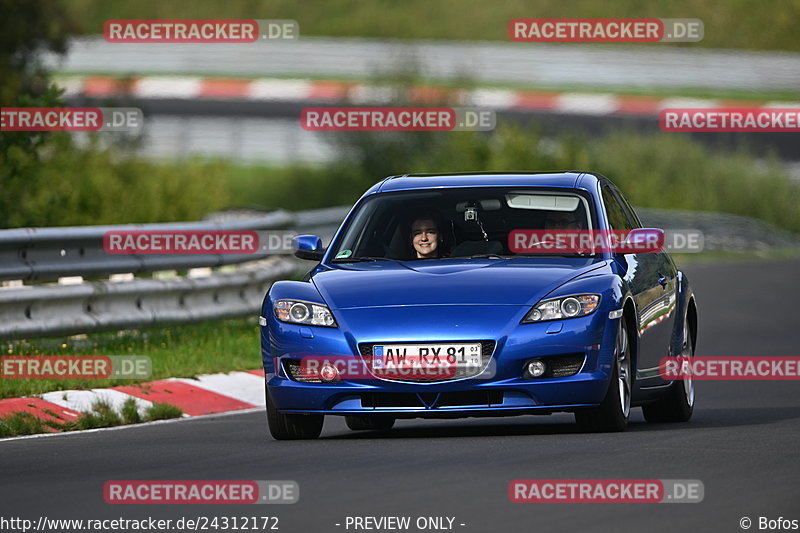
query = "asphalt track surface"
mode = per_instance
[
  {"x": 566, "y": 64},
  {"x": 742, "y": 444}
]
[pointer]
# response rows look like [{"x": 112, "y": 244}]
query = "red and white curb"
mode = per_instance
[
  {"x": 305, "y": 90},
  {"x": 205, "y": 395}
]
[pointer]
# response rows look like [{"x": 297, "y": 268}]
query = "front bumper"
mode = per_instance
[
  {"x": 442, "y": 400},
  {"x": 500, "y": 390}
]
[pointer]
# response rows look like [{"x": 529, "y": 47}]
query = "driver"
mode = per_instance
[
  {"x": 426, "y": 236},
  {"x": 556, "y": 220}
]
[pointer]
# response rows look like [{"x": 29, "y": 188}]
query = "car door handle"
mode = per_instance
[{"x": 662, "y": 280}]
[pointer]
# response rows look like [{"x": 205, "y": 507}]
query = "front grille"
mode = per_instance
[
  {"x": 294, "y": 370},
  {"x": 390, "y": 399},
  {"x": 455, "y": 399},
  {"x": 431, "y": 400},
  {"x": 560, "y": 366},
  {"x": 487, "y": 349}
]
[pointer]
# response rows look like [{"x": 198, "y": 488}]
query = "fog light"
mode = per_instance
[
  {"x": 535, "y": 368},
  {"x": 328, "y": 372}
]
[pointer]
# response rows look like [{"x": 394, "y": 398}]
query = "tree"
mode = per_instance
[{"x": 27, "y": 29}]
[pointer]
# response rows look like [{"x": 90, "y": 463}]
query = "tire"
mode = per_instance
[
  {"x": 677, "y": 405},
  {"x": 292, "y": 427},
  {"x": 613, "y": 412},
  {"x": 364, "y": 423}
]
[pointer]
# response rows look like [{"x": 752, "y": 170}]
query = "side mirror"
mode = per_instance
[
  {"x": 308, "y": 247},
  {"x": 643, "y": 240}
]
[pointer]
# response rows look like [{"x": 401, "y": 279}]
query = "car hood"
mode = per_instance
[{"x": 520, "y": 281}]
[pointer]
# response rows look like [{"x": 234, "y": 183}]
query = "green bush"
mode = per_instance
[
  {"x": 657, "y": 170},
  {"x": 48, "y": 180},
  {"x": 673, "y": 171},
  {"x": 728, "y": 23},
  {"x": 66, "y": 185}
]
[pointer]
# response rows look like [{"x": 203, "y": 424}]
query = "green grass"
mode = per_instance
[
  {"x": 179, "y": 351},
  {"x": 18, "y": 424},
  {"x": 101, "y": 415},
  {"x": 728, "y": 23},
  {"x": 162, "y": 411},
  {"x": 716, "y": 256}
]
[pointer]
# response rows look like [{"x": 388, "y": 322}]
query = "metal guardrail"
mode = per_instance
[
  {"x": 37, "y": 254},
  {"x": 46, "y": 310}
]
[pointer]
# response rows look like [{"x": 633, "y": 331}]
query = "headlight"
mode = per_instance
[
  {"x": 564, "y": 307},
  {"x": 297, "y": 312}
]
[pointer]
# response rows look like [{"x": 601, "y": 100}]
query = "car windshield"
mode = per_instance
[{"x": 460, "y": 223}]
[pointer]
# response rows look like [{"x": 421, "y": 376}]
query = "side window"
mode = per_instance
[
  {"x": 629, "y": 212},
  {"x": 616, "y": 216}
]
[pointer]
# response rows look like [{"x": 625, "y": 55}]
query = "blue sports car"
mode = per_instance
[{"x": 439, "y": 298}]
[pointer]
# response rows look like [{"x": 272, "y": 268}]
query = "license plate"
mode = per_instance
[{"x": 441, "y": 357}]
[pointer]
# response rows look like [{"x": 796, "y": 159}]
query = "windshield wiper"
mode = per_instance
[
  {"x": 564, "y": 254},
  {"x": 360, "y": 259},
  {"x": 490, "y": 256}
]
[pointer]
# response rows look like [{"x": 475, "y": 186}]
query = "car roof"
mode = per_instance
[{"x": 481, "y": 179}]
